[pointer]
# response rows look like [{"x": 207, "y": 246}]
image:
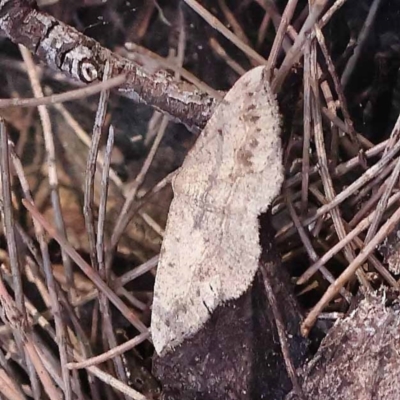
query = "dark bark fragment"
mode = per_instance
[
  {"x": 359, "y": 358},
  {"x": 237, "y": 354}
]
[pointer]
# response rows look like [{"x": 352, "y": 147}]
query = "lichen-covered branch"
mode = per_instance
[{"x": 65, "y": 49}]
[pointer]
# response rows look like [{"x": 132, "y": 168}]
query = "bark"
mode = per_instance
[{"x": 359, "y": 358}]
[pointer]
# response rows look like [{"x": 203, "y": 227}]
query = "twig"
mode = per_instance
[
  {"x": 333, "y": 289},
  {"x": 377, "y": 183},
  {"x": 232, "y": 21},
  {"x": 305, "y": 168},
  {"x": 343, "y": 168},
  {"x": 88, "y": 205},
  {"x": 7, "y": 387},
  {"x": 348, "y": 71},
  {"x": 342, "y": 196},
  {"x": 347, "y": 239},
  {"x": 71, "y": 95},
  {"x": 5, "y": 363},
  {"x": 116, "y": 351},
  {"x": 272, "y": 10},
  {"x": 237, "y": 29},
  {"x": 100, "y": 248},
  {"x": 59, "y": 221},
  {"x": 308, "y": 246},
  {"x": 342, "y": 99},
  {"x": 65, "y": 49},
  {"x": 328, "y": 15},
  {"x": 8, "y": 219},
  {"x": 136, "y": 272},
  {"x": 97, "y": 247},
  {"x": 213, "y": 21},
  {"x": 220, "y": 51},
  {"x": 262, "y": 31},
  {"x": 87, "y": 269},
  {"x": 51, "y": 364},
  {"x": 103, "y": 271},
  {"x": 115, "y": 383},
  {"x": 280, "y": 34},
  {"x": 6, "y": 211},
  {"x": 383, "y": 202},
  {"x": 360, "y": 244},
  {"x": 282, "y": 334},
  {"x": 53, "y": 299},
  {"x": 323, "y": 165},
  {"x": 295, "y": 52},
  {"x": 170, "y": 65},
  {"x": 123, "y": 219},
  {"x": 85, "y": 139},
  {"x": 12, "y": 316},
  {"x": 371, "y": 201}
]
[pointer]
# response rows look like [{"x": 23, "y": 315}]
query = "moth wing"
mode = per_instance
[{"x": 211, "y": 249}]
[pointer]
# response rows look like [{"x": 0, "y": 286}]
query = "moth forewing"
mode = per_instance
[{"x": 211, "y": 246}]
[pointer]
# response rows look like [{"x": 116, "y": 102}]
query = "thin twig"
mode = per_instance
[
  {"x": 232, "y": 21},
  {"x": 328, "y": 15},
  {"x": 136, "y": 272},
  {"x": 115, "y": 383},
  {"x": 88, "y": 206},
  {"x": 87, "y": 269},
  {"x": 85, "y": 139},
  {"x": 100, "y": 248},
  {"x": 295, "y": 52},
  {"x": 340, "y": 245},
  {"x": 334, "y": 288},
  {"x": 50, "y": 158},
  {"x": 6, "y": 365},
  {"x": 8, "y": 388},
  {"x": 170, "y": 65},
  {"x": 85, "y": 60},
  {"x": 8, "y": 219},
  {"x": 6, "y": 210},
  {"x": 360, "y": 244},
  {"x": 343, "y": 168},
  {"x": 323, "y": 165},
  {"x": 305, "y": 168},
  {"x": 11, "y": 315},
  {"x": 366, "y": 29},
  {"x": 308, "y": 246},
  {"x": 70, "y": 95},
  {"x": 342, "y": 196},
  {"x": 220, "y": 51},
  {"x": 98, "y": 241},
  {"x": 342, "y": 99},
  {"x": 53, "y": 299},
  {"x": 216, "y": 24},
  {"x": 282, "y": 334},
  {"x": 116, "y": 351},
  {"x": 123, "y": 219},
  {"x": 383, "y": 202},
  {"x": 59, "y": 221},
  {"x": 262, "y": 30},
  {"x": 280, "y": 34}
]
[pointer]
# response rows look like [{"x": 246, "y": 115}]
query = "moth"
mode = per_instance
[{"x": 211, "y": 245}]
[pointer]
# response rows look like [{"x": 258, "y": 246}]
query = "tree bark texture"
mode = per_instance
[{"x": 359, "y": 358}]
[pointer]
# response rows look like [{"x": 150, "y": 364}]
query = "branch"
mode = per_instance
[{"x": 65, "y": 49}]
